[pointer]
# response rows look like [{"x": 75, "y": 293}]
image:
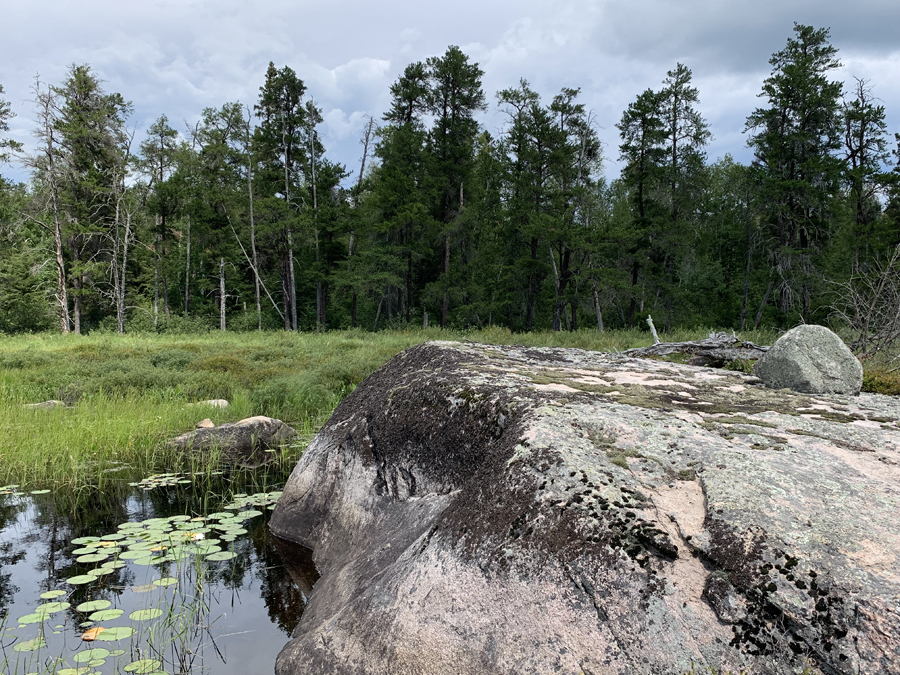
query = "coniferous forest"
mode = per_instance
[{"x": 243, "y": 222}]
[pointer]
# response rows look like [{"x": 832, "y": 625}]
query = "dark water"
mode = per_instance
[{"x": 219, "y": 617}]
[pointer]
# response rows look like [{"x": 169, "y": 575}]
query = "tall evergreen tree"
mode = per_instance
[
  {"x": 795, "y": 139},
  {"x": 455, "y": 97},
  {"x": 280, "y": 144},
  {"x": 643, "y": 132}
]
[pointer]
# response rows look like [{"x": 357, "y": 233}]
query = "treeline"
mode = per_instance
[{"x": 243, "y": 222}]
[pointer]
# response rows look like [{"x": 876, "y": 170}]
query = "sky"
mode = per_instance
[{"x": 177, "y": 57}]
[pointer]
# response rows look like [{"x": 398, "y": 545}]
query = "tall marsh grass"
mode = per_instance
[{"x": 125, "y": 395}]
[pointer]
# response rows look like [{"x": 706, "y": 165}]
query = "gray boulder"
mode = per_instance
[
  {"x": 245, "y": 443},
  {"x": 477, "y": 509},
  {"x": 811, "y": 360}
]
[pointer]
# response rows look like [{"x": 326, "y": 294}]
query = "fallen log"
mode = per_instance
[{"x": 716, "y": 350}]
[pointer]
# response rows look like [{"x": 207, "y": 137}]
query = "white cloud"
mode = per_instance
[{"x": 176, "y": 57}]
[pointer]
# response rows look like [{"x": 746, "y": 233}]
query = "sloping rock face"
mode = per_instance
[
  {"x": 243, "y": 443},
  {"x": 811, "y": 360},
  {"x": 477, "y": 509}
]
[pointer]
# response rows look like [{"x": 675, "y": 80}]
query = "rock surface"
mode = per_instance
[
  {"x": 205, "y": 424},
  {"x": 52, "y": 404},
  {"x": 477, "y": 509},
  {"x": 811, "y": 360},
  {"x": 242, "y": 443}
]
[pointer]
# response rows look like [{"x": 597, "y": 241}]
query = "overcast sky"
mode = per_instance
[{"x": 176, "y": 57}]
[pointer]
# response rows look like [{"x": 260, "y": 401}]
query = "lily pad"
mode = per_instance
[
  {"x": 115, "y": 536},
  {"x": 90, "y": 655},
  {"x": 117, "y": 633},
  {"x": 222, "y": 555},
  {"x": 106, "y": 615},
  {"x": 93, "y": 605},
  {"x": 85, "y": 540},
  {"x": 73, "y": 671},
  {"x": 40, "y": 492},
  {"x": 145, "y": 614},
  {"x": 30, "y": 645},
  {"x": 92, "y": 557},
  {"x": 49, "y": 595},
  {"x": 166, "y": 581},
  {"x": 142, "y": 666},
  {"x": 37, "y": 617},
  {"x": 52, "y": 607},
  {"x": 81, "y": 579}
]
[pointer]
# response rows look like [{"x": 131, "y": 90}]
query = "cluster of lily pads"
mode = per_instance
[
  {"x": 14, "y": 490},
  {"x": 154, "y": 541},
  {"x": 169, "y": 479}
]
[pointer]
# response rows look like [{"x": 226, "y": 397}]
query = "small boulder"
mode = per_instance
[
  {"x": 212, "y": 403},
  {"x": 811, "y": 360},
  {"x": 243, "y": 443},
  {"x": 46, "y": 405},
  {"x": 205, "y": 424}
]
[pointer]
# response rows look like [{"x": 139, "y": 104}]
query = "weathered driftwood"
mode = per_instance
[{"x": 716, "y": 350}]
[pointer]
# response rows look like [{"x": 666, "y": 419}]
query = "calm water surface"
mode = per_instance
[{"x": 219, "y": 617}]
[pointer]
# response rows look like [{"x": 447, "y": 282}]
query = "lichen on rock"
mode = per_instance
[{"x": 484, "y": 509}]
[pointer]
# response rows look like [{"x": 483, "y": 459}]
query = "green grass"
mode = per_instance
[{"x": 128, "y": 394}]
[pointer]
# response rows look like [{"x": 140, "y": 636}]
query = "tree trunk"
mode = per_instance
[
  {"x": 445, "y": 301},
  {"x": 156, "y": 276},
  {"x": 187, "y": 269},
  {"x": 222, "y": 294},
  {"x": 597, "y": 306},
  {"x": 292, "y": 284},
  {"x": 61, "y": 286},
  {"x": 762, "y": 305}
]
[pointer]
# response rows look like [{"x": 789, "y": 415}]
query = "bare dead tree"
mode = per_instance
[{"x": 869, "y": 304}]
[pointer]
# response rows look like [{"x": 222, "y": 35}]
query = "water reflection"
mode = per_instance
[{"x": 250, "y": 604}]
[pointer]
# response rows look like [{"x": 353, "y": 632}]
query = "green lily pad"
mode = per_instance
[
  {"x": 81, "y": 579},
  {"x": 222, "y": 555},
  {"x": 146, "y": 560},
  {"x": 178, "y": 519},
  {"x": 37, "y": 617},
  {"x": 85, "y": 550},
  {"x": 90, "y": 655},
  {"x": 49, "y": 595},
  {"x": 106, "y": 615},
  {"x": 30, "y": 645},
  {"x": 166, "y": 581},
  {"x": 145, "y": 614},
  {"x": 115, "y": 536},
  {"x": 85, "y": 540},
  {"x": 113, "y": 634},
  {"x": 135, "y": 554},
  {"x": 40, "y": 492},
  {"x": 92, "y": 557},
  {"x": 93, "y": 605},
  {"x": 116, "y": 652},
  {"x": 52, "y": 607},
  {"x": 73, "y": 671},
  {"x": 142, "y": 666}
]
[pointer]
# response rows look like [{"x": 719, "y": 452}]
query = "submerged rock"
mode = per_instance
[
  {"x": 811, "y": 360},
  {"x": 477, "y": 509},
  {"x": 243, "y": 443}
]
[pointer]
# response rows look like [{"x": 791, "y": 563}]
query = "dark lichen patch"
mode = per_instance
[
  {"x": 738, "y": 419},
  {"x": 831, "y": 416}
]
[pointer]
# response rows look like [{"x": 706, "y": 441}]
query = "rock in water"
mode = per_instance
[
  {"x": 477, "y": 509},
  {"x": 811, "y": 360},
  {"x": 242, "y": 443}
]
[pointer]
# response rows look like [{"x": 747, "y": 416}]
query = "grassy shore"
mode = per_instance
[{"x": 127, "y": 394}]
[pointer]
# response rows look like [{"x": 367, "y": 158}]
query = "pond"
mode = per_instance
[{"x": 174, "y": 574}]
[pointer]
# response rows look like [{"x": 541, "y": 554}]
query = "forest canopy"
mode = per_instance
[{"x": 243, "y": 222}]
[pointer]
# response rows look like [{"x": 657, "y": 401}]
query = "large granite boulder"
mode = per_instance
[
  {"x": 811, "y": 360},
  {"x": 247, "y": 443},
  {"x": 477, "y": 509}
]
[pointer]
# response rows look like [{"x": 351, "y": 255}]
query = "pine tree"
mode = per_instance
[{"x": 795, "y": 139}]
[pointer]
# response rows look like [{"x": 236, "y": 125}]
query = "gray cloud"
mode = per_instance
[{"x": 178, "y": 57}]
